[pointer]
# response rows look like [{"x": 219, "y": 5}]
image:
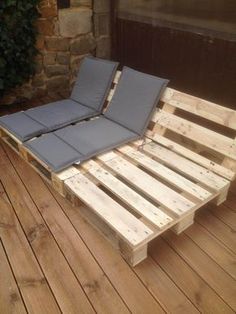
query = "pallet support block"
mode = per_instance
[
  {"x": 221, "y": 197},
  {"x": 184, "y": 224}
]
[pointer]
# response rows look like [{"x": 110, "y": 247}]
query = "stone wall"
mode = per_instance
[{"x": 65, "y": 37}]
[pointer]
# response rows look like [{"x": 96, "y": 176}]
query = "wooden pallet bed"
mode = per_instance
[{"x": 138, "y": 191}]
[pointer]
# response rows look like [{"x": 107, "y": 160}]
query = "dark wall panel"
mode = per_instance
[{"x": 194, "y": 63}]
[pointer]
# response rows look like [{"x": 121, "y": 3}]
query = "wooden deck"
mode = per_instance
[{"x": 53, "y": 261}]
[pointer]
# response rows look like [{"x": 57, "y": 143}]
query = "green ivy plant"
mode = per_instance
[{"x": 17, "y": 42}]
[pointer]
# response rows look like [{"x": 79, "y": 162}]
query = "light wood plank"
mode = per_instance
[
  {"x": 10, "y": 298},
  {"x": 155, "y": 215},
  {"x": 128, "y": 227},
  {"x": 167, "y": 174},
  {"x": 202, "y": 161},
  {"x": 187, "y": 167},
  {"x": 175, "y": 202},
  {"x": 206, "y": 109},
  {"x": 220, "y": 143}
]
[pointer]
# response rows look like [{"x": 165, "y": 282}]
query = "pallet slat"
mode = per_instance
[
  {"x": 131, "y": 229},
  {"x": 219, "y": 143},
  {"x": 167, "y": 174},
  {"x": 185, "y": 166},
  {"x": 189, "y": 154},
  {"x": 155, "y": 215},
  {"x": 200, "y": 107},
  {"x": 154, "y": 189}
]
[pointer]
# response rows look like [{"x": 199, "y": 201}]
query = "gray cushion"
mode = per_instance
[
  {"x": 60, "y": 113},
  {"x": 135, "y": 99},
  {"x": 22, "y": 126},
  {"x": 95, "y": 136},
  {"x": 90, "y": 91},
  {"x": 53, "y": 151},
  {"x": 93, "y": 82}
]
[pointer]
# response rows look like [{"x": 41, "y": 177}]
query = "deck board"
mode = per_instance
[{"x": 106, "y": 281}]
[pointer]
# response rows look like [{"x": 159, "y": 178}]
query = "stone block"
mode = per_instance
[
  {"x": 56, "y": 83},
  {"x": 77, "y": 3},
  {"x": 48, "y": 10},
  {"x": 45, "y": 27},
  {"x": 101, "y": 6},
  {"x": 75, "y": 21},
  {"x": 38, "y": 80},
  {"x": 55, "y": 70},
  {"x": 40, "y": 42},
  {"x": 63, "y": 58},
  {"x": 83, "y": 45},
  {"x": 50, "y": 58},
  {"x": 57, "y": 44},
  {"x": 103, "y": 49},
  {"x": 102, "y": 24}
]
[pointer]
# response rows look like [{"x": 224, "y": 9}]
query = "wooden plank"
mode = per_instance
[
  {"x": 193, "y": 286},
  {"x": 225, "y": 214},
  {"x": 129, "y": 287},
  {"x": 221, "y": 231},
  {"x": 206, "y": 109},
  {"x": 10, "y": 298},
  {"x": 175, "y": 202},
  {"x": 167, "y": 174},
  {"x": 93, "y": 280},
  {"x": 214, "y": 248},
  {"x": 31, "y": 282},
  {"x": 129, "y": 228},
  {"x": 163, "y": 288},
  {"x": 217, "y": 142},
  {"x": 69, "y": 294},
  {"x": 155, "y": 215},
  {"x": 210, "y": 271},
  {"x": 187, "y": 167},
  {"x": 202, "y": 161}
]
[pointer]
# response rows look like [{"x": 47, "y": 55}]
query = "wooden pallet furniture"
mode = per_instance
[{"x": 138, "y": 191}]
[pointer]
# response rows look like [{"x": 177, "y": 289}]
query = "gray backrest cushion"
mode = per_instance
[
  {"x": 93, "y": 82},
  {"x": 135, "y": 99}
]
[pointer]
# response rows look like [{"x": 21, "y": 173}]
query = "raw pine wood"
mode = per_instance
[
  {"x": 200, "y": 107},
  {"x": 220, "y": 143},
  {"x": 202, "y": 161},
  {"x": 142, "y": 174}
]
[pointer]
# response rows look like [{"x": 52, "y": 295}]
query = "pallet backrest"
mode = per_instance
[{"x": 198, "y": 125}]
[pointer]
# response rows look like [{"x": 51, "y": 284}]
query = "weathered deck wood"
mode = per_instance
[{"x": 167, "y": 281}]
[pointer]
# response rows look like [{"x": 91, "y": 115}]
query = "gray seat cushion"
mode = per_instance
[
  {"x": 22, "y": 126},
  {"x": 95, "y": 136},
  {"x": 80, "y": 142},
  {"x": 125, "y": 120},
  {"x": 53, "y": 151},
  {"x": 135, "y": 99},
  {"x": 60, "y": 113},
  {"x": 89, "y": 93},
  {"x": 93, "y": 82}
]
